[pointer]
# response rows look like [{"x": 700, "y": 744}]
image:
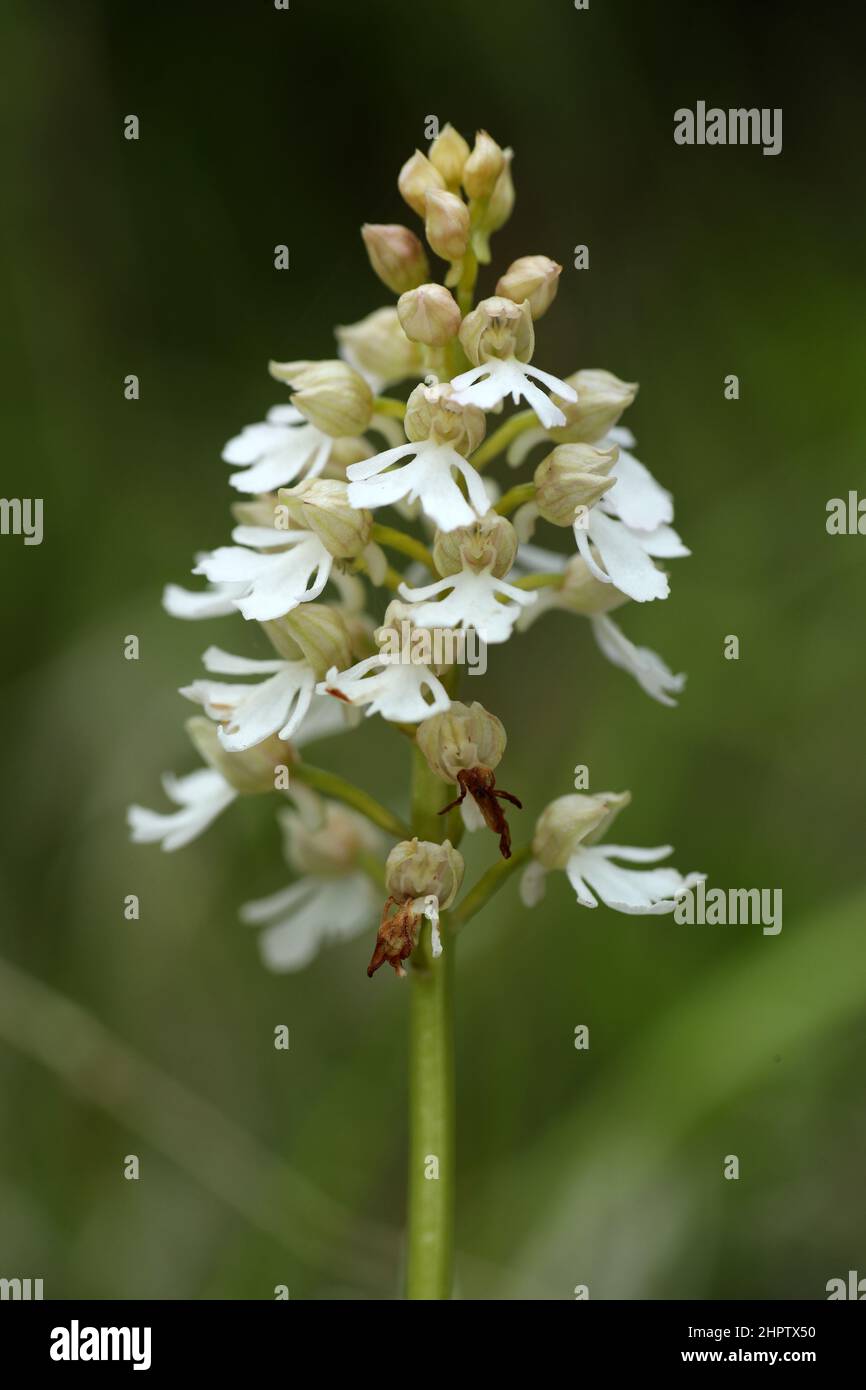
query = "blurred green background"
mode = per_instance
[{"x": 601, "y": 1167}]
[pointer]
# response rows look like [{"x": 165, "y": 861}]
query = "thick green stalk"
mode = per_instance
[
  {"x": 495, "y": 443},
  {"x": 430, "y": 1258}
]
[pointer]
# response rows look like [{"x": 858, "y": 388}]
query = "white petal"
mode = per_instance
[
  {"x": 201, "y": 796},
  {"x": 636, "y": 498},
  {"x": 215, "y": 602},
  {"x": 474, "y": 601},
  {"x": 334, "y": 910},
  {"x": 647, "y": 667},
  {"x": 224, "y": 664},
  {"x": 652, "y": 891},
  {"x": 625, "y": 559},
  {"x": 398, "y": 691}
]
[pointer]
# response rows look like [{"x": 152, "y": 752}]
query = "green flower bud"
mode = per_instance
[
  {"x": 574, "y": 820},
  {"x": 315, "y": 631},
  {"x": 432, "y": 413},
  {"x": 572, "y": 476},
  {"x": 463, "y": 738},
  {"x": 601, "y": 400},
  {"x": 414, "y": 179},
  {"x": 497, "y": 327},
  {"x": 249, "y": 772},
  {"x": 377, "y": 346},
  {"x": 448, "y": 154},
  {"x": 447, "y": 224},
  {"x": 483, "y": 167},
  {"x": 322, "y": 505},
  {"x": 419, "y": 869},
  {"x": 429, "y": 315},
  {"x": 489, "y": 543},
  {"x": 329, "y": 394},
  {"x": 534, "y": 278},
  {"x": 396, "y": 255}
]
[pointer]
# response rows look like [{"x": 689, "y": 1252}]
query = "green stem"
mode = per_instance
[
  {"x": 501, "y": 438},
  {"x": 332, "y": 785},
  {"x": 466, "y": 286},
  {"x": 539, "y": 581},
  {"x": 514, "y": 498},
  {"x": 431, "y": 1186},
  {"x": 387, "y": 405},
  {"x": 488, "y": 884},
  {"x": 393, "y": 539}
]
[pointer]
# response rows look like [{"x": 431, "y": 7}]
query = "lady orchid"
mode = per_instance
[{"x": 344, "y": 556}]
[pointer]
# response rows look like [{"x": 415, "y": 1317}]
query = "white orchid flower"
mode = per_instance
[
  {"x": 565, "y": 839},
  {"x": 428, "y": 478},
  {"x": 404, "y": 692},
  {"x": 473, "y": 598},
  {"x": 248, "y": 714},
  {"x": 277, "y": 451},
  {"x": 200, "y": 796},
  {"x": 293, "y": 569}
]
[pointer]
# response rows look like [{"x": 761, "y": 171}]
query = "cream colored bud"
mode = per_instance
[
  {"x": 331, "y": 395},
  {"x": 497, "y": 327},
  {"x": 582, "y": 593},
  {"x": 534, "y": 278},
  {"x": 572, "y": 476},
  {"x": 496, "y": 212},
  {"x": 429, "y": 315},
  {"x": 449, "y": 153},
  {"x": 466, "y": 736},
  {"x": 419, "y": 868},
  {"x": 574, "y": 820},
  {"x": 414, "y": 179},
  {"x": 330, "y": 849},
  {"x": 396, "y": 255},
  {"x": 433, "y": 413},
  {"x": 483, "y": 167},
  {"x": 248, "y": 772},
  {"x": 322, "y": 505},
  {"x": 378, "y": 347},
  {"x": 447, "y": 224},
  {"x": 601, "y": 400},
  {"x": 315, "y": 631},
  {"x": 489, "y": 543}
]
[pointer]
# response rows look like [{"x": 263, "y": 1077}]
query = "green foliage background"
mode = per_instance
[{"x": 604, "y": 1167}]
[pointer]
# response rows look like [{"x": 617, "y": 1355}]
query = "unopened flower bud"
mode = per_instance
[
  {"x": 489, "y": 543},
  {"x": 322, "y": 505},
  {"x": 572, "y": 476},
  {"x": 414, "y": 179},
  {"x": 571, "y": 821},
  {"x": 580, "y": 591},
  {"x": 495, "y": 213},
  {"x": 429, "y": 315},
  {"x": 483, "y": 167},
  {"x": 449, "y": 153},
  {"x": 535, "y": 278},
  {"x": 330, "y": 849},
  {"x": 601, "y": 399},
  {"x": 248, "y": 772},
  {"x": 447, "y": 224},
  {"x": 433, "y": 413},
  {"x": 315, "y": 631},
  {"x": 420, "y": 868},
  {"x": 396, "y": 255},
  {"x": 329, "y": 394},
  {"x": 378, "y": 347},
  {"x": 463, "y": 738},
  {"x": 497, "y": 327}
]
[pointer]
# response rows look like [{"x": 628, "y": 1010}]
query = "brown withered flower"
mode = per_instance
[{"x": 464, "y": 745}]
